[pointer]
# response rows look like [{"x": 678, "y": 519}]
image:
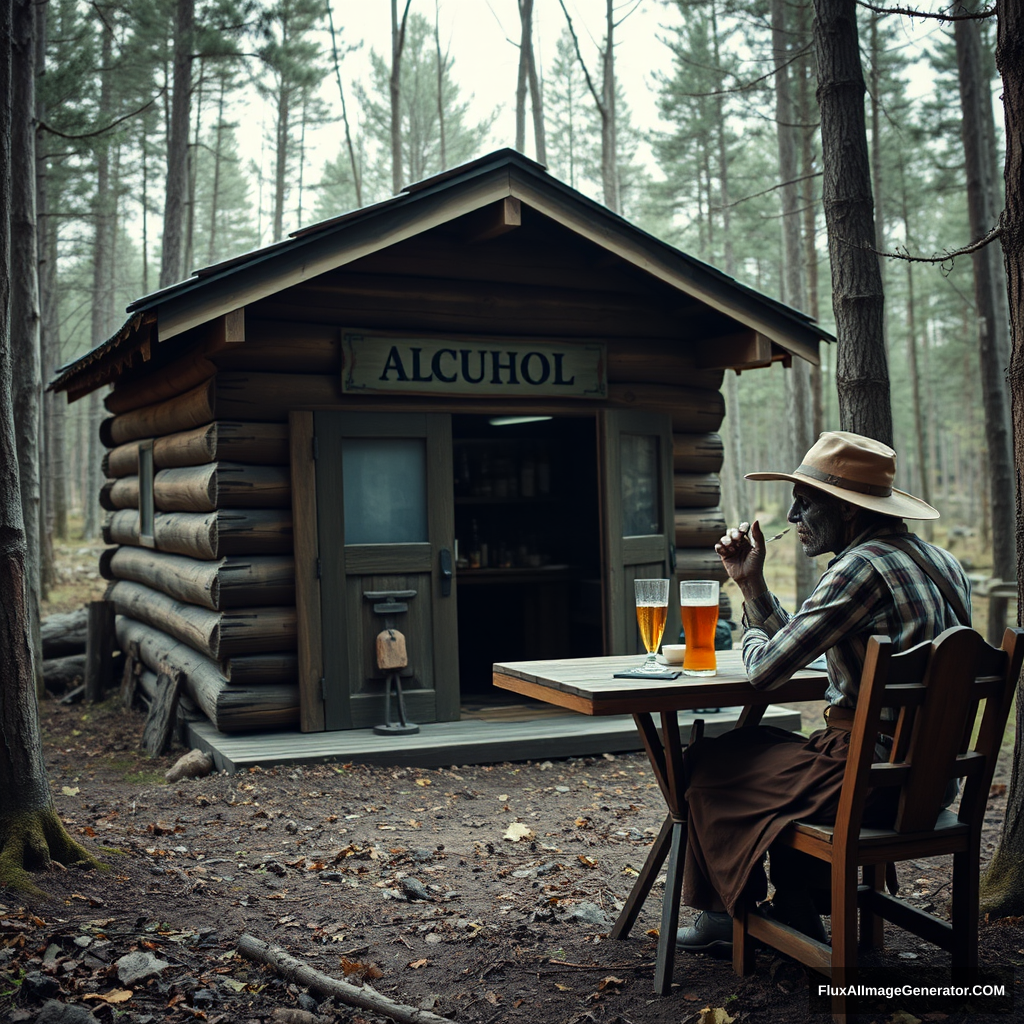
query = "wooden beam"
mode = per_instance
[
  {"x": 743, "y": 350},
  {"x": 497, "y": 219}
]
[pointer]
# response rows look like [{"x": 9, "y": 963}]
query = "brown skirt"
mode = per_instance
[{"x": 742, "y": 789}]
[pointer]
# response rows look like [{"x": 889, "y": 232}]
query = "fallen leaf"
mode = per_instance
[
  {"x": 582, "y": 822},
  {"x": 609, "y": 982},
  {"x": 70, "y": 790},
  {"x": 563, "y": 988},
  {"x": 587, "y": 862},
  {"x": 715, "y": 1015},
  {"x": 417, "y": 964},
  {"x": 117, "y": 995},
  {"x": 493, "y": 998},
  {"x": 997, "y": 789},
  {"x": 902, "y": 1017},
  {"x": 423, "y": 782},
  {"x": 516, "y": 831}
]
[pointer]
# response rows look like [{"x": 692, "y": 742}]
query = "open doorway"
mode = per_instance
[{"x": 528, "y": 542}]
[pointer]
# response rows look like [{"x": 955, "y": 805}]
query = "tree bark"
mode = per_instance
[
  {"x": 31, "y": 834},
  {"x": 609, "y": 142},
  {"x": 993, "y": 341},
  {"x": 799, "y": 410},
  {"x": 395, "y": 89},
  {"x": 1002, "y": 890},
  {"x": 27, "y": 371},
  {"x": 172, "y": 267},
  {"x": 862, "y": 375}
]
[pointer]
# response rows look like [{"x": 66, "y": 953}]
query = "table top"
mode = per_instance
[{"x": 587, "y": 685}]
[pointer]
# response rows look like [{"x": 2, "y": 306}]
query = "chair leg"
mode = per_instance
[
  {"x": 872, "y": 925},
  {"x": 742, "y": 944},
  {"x": 966, "y": 884},
  {"x": 844, "y": 931}
]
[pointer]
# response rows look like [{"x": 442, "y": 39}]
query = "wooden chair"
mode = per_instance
[{"x": 936, "y": 690}]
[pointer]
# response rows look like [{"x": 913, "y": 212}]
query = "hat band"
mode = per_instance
[{"x": 842, "y": 481}]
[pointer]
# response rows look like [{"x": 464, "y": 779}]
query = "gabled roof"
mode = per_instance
[{"x": 309, "y": 252}]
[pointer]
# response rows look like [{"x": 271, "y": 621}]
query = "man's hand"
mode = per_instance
[{"x": 742, "y": 553}]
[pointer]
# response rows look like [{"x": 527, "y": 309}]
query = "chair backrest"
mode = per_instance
[{"x": 936, "y": 691}]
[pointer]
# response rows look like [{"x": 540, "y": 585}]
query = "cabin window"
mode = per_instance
[
  {"x": 384, "y": 480},
  {"x": 146, "y": 502},
  {"x": 640, "y": 504}
]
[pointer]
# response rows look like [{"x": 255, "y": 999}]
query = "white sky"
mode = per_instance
[{"x": 476, "y": 33}]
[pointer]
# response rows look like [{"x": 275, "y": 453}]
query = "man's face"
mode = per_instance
[{"x": 819, "y": 521}]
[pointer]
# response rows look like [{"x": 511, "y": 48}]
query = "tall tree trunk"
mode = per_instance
[
  {"x": 807, "y": 117},
  {"x": 104, "y": 213},
  {"x": 918, "y": 411},
  {"x": 172, "y": 267},
  {"x": 799, "y": 410},
  {"x": 218, "y": 156},
  {"x": 441, "y": 61},
  {"x": 26, "y": 384},
  {"x": 877, "y": 165},
  {"x": 190, "y": 202},
  {"x": 281, "y": 140},
  {"x": 356, "y": 176},
  {"x": 609, "y": 143},
  {"x": 55, "y": 507},
  {"x": 30, "y": 831},
  {"x": 862, "y": 375},
  {"x": 993, "y": 341},
  {"x": 540, "y": 142},
  {"x": 1003, "y": 885},
  {"x": 525, "y": 14},
  {"x": 395, "y": 84}
]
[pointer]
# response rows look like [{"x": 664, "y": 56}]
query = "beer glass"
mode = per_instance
[
  {"x": 651, "y": 611},
  {"x": 698, "y": 605}
]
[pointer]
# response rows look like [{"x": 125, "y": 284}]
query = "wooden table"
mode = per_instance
[{"x": 587, "y": 685}]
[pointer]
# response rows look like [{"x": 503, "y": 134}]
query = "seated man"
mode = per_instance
[{"x": 744, "y": 787}]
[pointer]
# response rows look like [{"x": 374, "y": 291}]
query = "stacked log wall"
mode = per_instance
[{"x": 212, "y": 594}]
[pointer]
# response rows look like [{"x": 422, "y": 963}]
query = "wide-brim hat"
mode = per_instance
[{"x": 856, "y": 469}]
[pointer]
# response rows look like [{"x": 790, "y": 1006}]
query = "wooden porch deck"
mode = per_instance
[{"x": 507, "y": 736}]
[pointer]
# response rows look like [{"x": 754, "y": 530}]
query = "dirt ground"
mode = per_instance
[{"x": 406, "y": 878}]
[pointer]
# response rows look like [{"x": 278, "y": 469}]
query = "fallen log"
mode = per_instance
[
  {"x": 208, "y": 535},
  {"x": 229, "y": 707},
  {"x": 61, "y": 674},
  {"x": 215, "y": 634},
  {"x": 264, "y": 444},
  {"x": 230, "y": 582},
  {"x": 364, "y": 997},
  {"x": 64, "y": 633}
]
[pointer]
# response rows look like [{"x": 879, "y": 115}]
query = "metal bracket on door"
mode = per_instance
[
  {"x": 388, "y": 600},
  {"x": 446, "y": 572}
]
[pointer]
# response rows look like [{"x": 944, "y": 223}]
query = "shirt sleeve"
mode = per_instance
[{"x": 775, "y": 645}]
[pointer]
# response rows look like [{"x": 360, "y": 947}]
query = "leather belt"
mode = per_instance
[{"x": 837, "y": 717}]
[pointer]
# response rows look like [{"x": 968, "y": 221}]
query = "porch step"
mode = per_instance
[{"x": 442, "y": 744}]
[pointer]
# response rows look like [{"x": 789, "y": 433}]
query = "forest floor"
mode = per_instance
[{"x": 406, "y": 878}]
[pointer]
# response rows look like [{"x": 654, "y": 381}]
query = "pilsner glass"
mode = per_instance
[
  {"x": 698, "y": 606},
  {"x": 651, "y": 611}
]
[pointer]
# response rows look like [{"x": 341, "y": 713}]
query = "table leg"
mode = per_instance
[
  {"x": 645, "y": 880},
  {"x": 664, "y": 750},
  {"x": 670, "y": 911}
]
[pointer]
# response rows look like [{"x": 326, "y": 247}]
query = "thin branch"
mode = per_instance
[
  {"x": 780, "y": 184},
  {"x": 947, "y": 256},
  {"x": 910, "y": 12},
  {"x": 583, "y": 63},
  {"x": 109, "y": 127},
  {"x": 745, "y": 86}
]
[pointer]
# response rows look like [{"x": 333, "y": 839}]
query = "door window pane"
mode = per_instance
[
  {"x": 385, "y": 488},
  {"x": 640, "y": 503}
]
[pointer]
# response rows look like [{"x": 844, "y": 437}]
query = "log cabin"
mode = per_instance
[{"x": 474, "y": 412}]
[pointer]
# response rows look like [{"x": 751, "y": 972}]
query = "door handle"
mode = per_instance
[{"x": 445, "y": 557}]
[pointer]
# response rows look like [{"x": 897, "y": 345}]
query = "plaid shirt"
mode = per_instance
[{"x": 868, "y": 588}]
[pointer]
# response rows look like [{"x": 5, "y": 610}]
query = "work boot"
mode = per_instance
[
  {"x": 795, "y": 907},
  {"x": 711, "y": 933}
]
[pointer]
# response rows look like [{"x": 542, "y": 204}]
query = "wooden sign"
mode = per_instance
[{"x": 471, "y": 367}]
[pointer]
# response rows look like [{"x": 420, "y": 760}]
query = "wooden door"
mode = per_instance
[
  {"x": 637, "y": 520},
  {"x": 385, "y": 525}
]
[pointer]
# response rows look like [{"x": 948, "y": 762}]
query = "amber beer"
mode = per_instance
[
  {"x": 698, "y": 605},
  {"x": 651, "y": 611},
  {"x": 651, "y": 620}
]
